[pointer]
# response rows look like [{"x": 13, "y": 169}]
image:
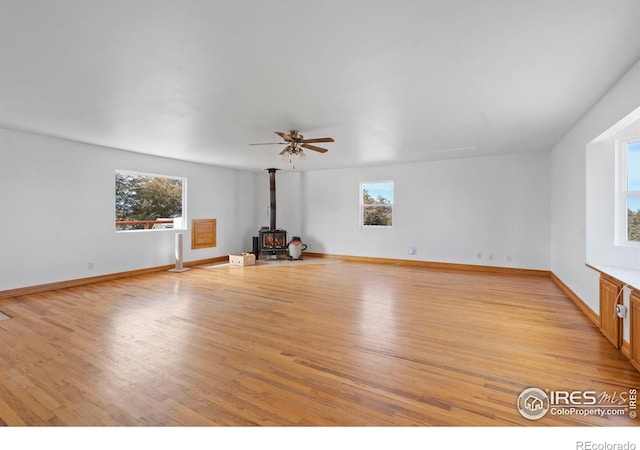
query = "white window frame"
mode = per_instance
[
  {"x": 622, "y": 195},
  {"x": 362, "y": 206},
  {"x": 179, "y": 223}
]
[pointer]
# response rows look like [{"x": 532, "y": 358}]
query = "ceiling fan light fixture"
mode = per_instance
[{"x": 295, "y": 145}]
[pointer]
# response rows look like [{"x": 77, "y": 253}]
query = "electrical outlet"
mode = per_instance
[
  {"x": 490, "y": 256},
  {"x": 90, "y": 266},
  {"x": 412, "y": 250},
  {"x": 479, "y": 255},
  {"x": 509, "y": 258}
]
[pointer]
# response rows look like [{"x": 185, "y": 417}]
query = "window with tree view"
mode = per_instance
[
  {"x": 149, "y": 202},
  {"x": 632, "y": 189},
  {"x": 376, "y": 204}
]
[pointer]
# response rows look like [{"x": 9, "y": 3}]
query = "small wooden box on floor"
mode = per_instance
[{"x": 242, "y": 259}]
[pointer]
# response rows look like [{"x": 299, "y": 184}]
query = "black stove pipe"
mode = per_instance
[{"x": 272, "y": 198}]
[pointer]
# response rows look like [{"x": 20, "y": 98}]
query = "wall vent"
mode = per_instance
[{"x": 461, "y": 152}]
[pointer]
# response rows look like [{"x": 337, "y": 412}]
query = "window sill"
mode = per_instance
[
  {"x": 154, "y": 230},
  {"x": 630, "y": 277}
]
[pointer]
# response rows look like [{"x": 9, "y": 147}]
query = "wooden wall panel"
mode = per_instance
[{"x": 203, "y": 233}]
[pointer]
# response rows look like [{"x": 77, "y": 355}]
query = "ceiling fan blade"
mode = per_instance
[
  {"x": 325, "y": 139},
  {"x": 314, "y": 148},
  {"x": 269, "y": 143},
  {"x": 286, "y": 149},
  {"x": 284, "y": 136}
]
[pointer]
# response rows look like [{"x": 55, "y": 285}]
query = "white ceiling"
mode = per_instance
[{"x": 391, "y": 81}]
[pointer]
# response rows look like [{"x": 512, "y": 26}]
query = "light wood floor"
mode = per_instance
[{"x": 328, "y": 344}]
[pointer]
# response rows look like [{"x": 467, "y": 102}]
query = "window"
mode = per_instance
[
  {"x": 149, "y": 202},
  {"x": 376, "y": 204},
  {"x": 629, "y": 190}
]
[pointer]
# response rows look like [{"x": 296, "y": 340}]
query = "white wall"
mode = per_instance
[
  {"x": 569, "y": 186},
  {"x": 601, "y": 199},
  {"x": 57, "y": 207},
  {"x": 449, "y": 210},
  {"x": 57, "y": 210}
]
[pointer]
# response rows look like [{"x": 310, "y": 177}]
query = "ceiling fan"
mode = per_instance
[{"x": 296, "y": 144}]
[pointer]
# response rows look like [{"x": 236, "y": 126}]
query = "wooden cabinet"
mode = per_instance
[
  {"x": 634, "y": 328},
  {"x": 610, "y": 323}
]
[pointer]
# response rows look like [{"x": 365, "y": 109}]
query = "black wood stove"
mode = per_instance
[{"x": 272, "y": 242}]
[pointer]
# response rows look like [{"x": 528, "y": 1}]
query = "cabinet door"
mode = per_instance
[
  {"x": 634, "y": 331},
  {"x": 609, "y": 321}
]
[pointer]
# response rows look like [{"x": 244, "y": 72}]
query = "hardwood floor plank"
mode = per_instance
[{"x": 350, "y": 344}]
